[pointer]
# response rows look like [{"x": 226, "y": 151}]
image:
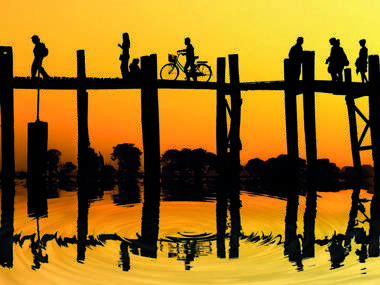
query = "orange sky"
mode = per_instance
[{"x": 261, "y": 32}]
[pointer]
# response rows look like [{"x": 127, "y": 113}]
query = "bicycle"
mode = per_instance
[{"x": 170, "y": 71}]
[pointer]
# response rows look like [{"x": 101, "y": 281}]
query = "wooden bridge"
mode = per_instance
[{"x": 227, "y": 140}]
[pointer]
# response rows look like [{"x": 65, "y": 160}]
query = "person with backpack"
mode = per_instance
[
  {"x": 190, "y": 60},
  {"x": 40, "y": 51}
]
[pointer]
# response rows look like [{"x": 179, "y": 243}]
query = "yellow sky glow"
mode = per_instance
[{"x": 261, "y": 32}]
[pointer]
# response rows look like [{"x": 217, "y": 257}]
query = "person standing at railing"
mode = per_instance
[
  {"x": 361, "y": 62},
  {"x": 124, "y": 57},
  {"x": 40, "y": 51},
  {"x": 190, "y": 60},
  {"x": 295, "y": 58}
]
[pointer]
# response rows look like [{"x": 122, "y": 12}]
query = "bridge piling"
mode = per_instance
[
  {"x": 291, "y": 240},
  {"x": 8, "y": 158},
  {"x": 236, "y": 102},
  {"x": 7, "y": 115},
  {"x": 221, "y": 119},
  {"x": 83, "y": 142},
  {"x": 374, "y": 107},
  {"x": 308, "y": 75},
  {"x": 350, "y": 101},
  {"x": 150, "y": 125}
]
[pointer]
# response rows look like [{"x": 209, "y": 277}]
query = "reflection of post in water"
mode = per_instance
[
  {"x": 221, "y": 218},
  {"x": 125, "y": 261},
  {"x": 235, "y": 220},
  {"x": 228, "y": 191},
  {"x": 36, "y": 246},
  {"x": 7, "y": 227},
  {"x": 82, "y": 223},
  {"x": 149, "y": 222}
]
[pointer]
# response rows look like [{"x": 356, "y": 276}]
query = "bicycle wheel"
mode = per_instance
[
  {"x": 169, "y": 72},
  {"x": 203, "y": 72}
]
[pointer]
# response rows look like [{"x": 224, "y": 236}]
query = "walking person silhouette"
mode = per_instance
[
  {"x": 124, "y": 57},
  {"x": 361, "y": 62},
  {"x": 295, "y": 58},
  {"x": 190, "y": 60},
  {"x": 40, "y": 51},
  {"x": 337, "y": 60}
]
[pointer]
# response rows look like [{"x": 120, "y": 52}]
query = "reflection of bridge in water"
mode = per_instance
[{"x": 227, "y": 140}]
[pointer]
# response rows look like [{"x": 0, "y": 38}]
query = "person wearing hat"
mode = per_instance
[{"x": 40, "y": 51}]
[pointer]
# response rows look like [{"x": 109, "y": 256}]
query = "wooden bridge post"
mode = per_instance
[
  {"x": 355, "y": 150},
  {"x": 151, "y": 144},
  {"x": 221, "y": 119},
  {"x": 374, "y": 107},
  {"x": 150, "y": 124},
  {"x": 82, "y": 110},
  {"x": 236, "y": 102},
  {"x": 291, "y": 239},
  {"x": 350, "y": 101},
  {"x": 308, "y": 75},
  {"x": 7, "y": 115}
]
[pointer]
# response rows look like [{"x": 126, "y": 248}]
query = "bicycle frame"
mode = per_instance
[{"x": 178, "y": 64}]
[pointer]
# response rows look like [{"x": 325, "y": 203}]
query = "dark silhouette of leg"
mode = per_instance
[
  {"x": 43, "y": 72},
  {"x": 186, "y": 67},
  {"x": 35, "y": 66}
]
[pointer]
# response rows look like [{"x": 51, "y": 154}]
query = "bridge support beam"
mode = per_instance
[
  {"x": 308, "y": 76},
  {"x": 236, "y": 103},
  {"x": 291, "y": 245},
  {"x": 82, "y": 110},
  {"x": 151, "y": 145},
  {"x": 221, "y": 114},
  {"x": 150, "y": 125},
  {"x": 83, "y": 157},
  {"x": 7, "y": 115},
  {"x": 374, "y": 107},
  {"x": 8, "y": 158}
]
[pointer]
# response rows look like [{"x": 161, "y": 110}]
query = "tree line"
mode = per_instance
[{"x": 195, "y": 168}]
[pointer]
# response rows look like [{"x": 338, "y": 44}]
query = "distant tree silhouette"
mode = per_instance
[
  {"x": 128, "y": 160},
  {"x": 67, "y": 180},
  {"x": 52, "y": 162},
  {"x": 95, "y": 167},
  {"x": 188, "y": 164},
  {"x": 108, "y": 177}
]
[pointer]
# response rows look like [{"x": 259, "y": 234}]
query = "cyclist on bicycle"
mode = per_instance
[{"x": 190, "y": 59}]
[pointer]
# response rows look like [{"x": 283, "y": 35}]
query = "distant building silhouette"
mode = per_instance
[{"x": 40, "y": 51}]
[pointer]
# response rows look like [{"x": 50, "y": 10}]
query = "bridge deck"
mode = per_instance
[{"x": 72, "y": 83}]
